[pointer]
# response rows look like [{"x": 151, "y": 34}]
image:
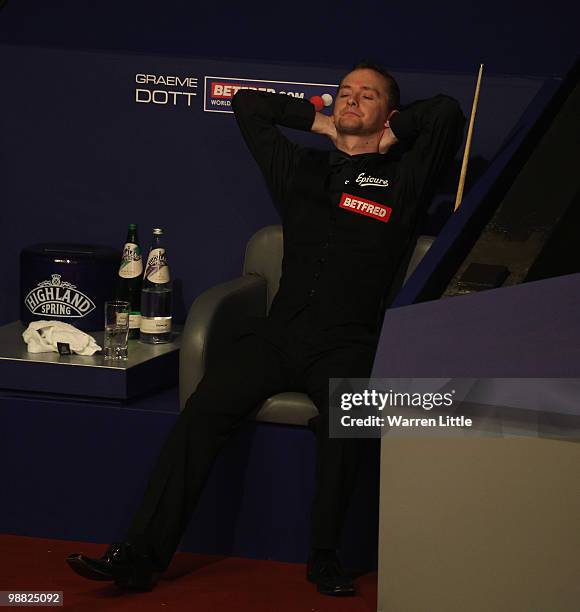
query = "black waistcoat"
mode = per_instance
[
  {"x": 348, "y": 220},
  {"x": 345, "y": 233}
]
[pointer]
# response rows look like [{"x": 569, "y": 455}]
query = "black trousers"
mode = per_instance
[{"x": 294, "y": 357}]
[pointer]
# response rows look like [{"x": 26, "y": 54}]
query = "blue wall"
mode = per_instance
[
  {"x": 529, "y": 38},
  {"x": 77, "y": 152},
  {"x": 80, "y": 158}
]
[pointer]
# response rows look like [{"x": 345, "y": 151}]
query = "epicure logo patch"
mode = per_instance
[{"x": 366, "y": 180}]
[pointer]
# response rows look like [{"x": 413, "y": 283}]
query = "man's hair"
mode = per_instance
[{"x": 393, "y": 90}]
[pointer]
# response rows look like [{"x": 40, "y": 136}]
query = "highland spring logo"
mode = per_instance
[{"x": 58, "y": 299}]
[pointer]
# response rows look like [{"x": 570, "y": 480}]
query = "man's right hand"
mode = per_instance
[{"x": 324, "y": 124}]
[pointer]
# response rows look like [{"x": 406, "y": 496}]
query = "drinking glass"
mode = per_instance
[{"x": 116, "y": 329}]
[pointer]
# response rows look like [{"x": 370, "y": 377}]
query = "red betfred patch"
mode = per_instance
[{"x": 368, "y": 208}]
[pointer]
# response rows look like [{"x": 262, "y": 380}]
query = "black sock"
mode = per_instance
[{"x": 322, "y": 553}]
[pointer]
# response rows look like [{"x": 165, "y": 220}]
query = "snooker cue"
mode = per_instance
[{"x": 463, "y": 174}]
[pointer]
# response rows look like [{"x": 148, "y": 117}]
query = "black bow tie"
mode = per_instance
[{"x": 338, "y": 158}]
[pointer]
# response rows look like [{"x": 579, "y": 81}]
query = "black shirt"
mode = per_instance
[{"x": 347, "y": 220}]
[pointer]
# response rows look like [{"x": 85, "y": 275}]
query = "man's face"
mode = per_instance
[{"x": 362, "y": 103}]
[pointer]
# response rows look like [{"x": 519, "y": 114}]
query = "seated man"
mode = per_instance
[{"x": 349, "y": 215}]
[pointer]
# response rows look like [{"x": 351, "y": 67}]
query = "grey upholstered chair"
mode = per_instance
[{"x": 216, "y": 314}]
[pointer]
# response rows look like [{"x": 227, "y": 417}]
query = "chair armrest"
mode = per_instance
[{"x": 213, "y": 319}]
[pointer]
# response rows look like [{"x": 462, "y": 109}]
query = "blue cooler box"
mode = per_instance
[{"x": 67, "y": 282}]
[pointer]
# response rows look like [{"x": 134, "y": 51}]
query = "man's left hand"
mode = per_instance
[{"x": 388, "y": 138}]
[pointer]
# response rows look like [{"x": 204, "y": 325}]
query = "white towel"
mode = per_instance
[{"x": 42, "y": 337}]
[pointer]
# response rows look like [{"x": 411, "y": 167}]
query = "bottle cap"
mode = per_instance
[
  {"x": 157, "y": 231},
  {"x": 132, "y": 226}
]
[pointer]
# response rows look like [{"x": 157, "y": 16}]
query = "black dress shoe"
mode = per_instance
[
  {"x": 325, "y": 571},
  {"x": 122, "y": 563}
]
